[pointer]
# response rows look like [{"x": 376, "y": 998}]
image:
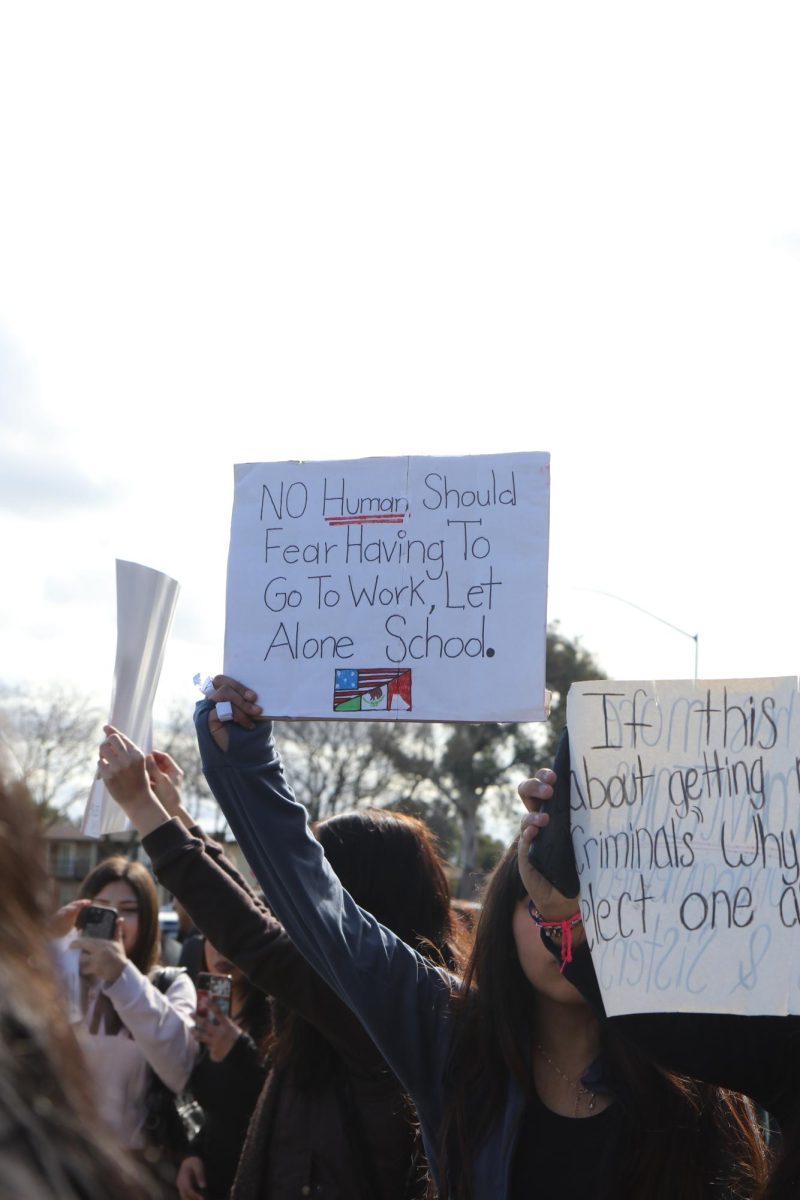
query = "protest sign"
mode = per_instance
[
  {"x": 391, "y": 588},
  {"x": 146, "y": 602},
  {"x": 685, "y": 813}
]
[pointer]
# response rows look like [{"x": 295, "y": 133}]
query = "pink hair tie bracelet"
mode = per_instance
[{"x": 557, "y": 931}]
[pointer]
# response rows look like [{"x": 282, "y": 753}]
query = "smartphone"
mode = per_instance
[
  {"x": 213, "y": 987},
  {"x": 551, "y": 851},
  {"x": 97, "y": 921}
]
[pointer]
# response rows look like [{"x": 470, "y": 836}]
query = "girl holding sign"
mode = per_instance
[
  {"x": 519, "y": 1088},
  {"x": 758, "y": 1056}
]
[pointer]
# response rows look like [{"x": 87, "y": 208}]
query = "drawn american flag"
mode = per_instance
[{"x": 369, "y": 689}]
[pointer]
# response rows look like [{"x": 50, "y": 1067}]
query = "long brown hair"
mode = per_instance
[
  {"x": 146, "y": 951},
  {"x": 681, "y": 1136},
  {"x": 389, "y": 864},
  {"x": 44, "y": 1090}
]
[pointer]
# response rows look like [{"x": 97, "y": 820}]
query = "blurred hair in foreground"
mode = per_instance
[{"x": 51, "y": 1142}]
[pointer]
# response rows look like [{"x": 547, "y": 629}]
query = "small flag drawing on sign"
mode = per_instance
[{"x": 372, "y": 689}]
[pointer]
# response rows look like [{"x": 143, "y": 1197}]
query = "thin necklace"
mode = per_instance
[{"x": 578, "y": 1088}]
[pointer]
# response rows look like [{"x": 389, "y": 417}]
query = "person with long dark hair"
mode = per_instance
[
  {"x": 520, "y": 1024},
  {"x": 225, "y": 1082},
  {"x": 512, "y": 1090},
  {"x": 129, "y": 1028},
  {"x": 758, "y": 1056},
  {"x": 331, "y": 1119},
  {"x": 53, "y": 1145}
]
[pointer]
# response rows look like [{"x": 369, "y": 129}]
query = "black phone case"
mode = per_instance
[
  {"x": 551, "y": 851},
  {"x": 103, "y": 927}
]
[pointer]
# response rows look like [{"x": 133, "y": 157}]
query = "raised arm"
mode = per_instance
[
  {"x": 227, "y": 912},
  {"x": 402, "y": 1000},
  {"x": 166, "y": 780},
  {"x": 244, "y": 931}
]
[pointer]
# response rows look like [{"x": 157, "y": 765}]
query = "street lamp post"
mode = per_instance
[{"x": 695, "y": 637}]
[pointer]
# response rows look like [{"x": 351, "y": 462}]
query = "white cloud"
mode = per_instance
[{"x": 333, "y": 230}]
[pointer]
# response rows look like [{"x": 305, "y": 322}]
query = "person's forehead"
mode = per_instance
[{"x": 117, "y": 890}]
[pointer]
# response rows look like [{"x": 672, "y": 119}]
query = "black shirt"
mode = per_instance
[{"x": 570, "y": 1158}]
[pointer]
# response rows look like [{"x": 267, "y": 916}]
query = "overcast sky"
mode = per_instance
[{"x": 257, "y": 232}]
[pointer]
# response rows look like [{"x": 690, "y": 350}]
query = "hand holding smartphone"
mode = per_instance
[
  {"x": 102, "y": 953},
  {"x": 551, "y": 852},
  {"x": 216, "y": 988},
  {"x": 97, "y": 921}
]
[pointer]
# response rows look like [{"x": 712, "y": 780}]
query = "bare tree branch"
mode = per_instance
[
  {"x": 51, "y": 739},
  {"x": 334, "y": 765}
]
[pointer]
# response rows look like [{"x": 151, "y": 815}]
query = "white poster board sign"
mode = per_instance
[
  {"x": 146, "y": 602},
  {"x": 685, "y": 812},
  {"x": 391, "y": 588}
]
